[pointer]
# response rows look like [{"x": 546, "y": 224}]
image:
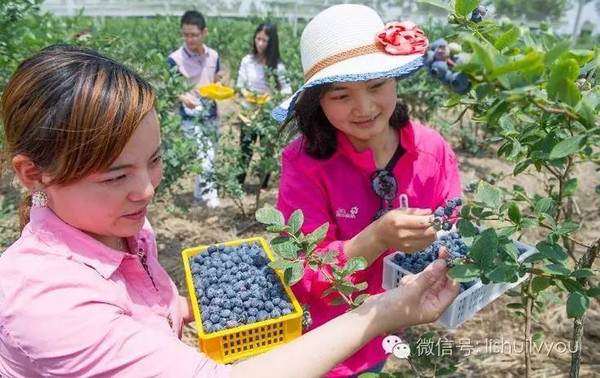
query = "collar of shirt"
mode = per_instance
[
  {"x": 72, "y": 243},
  {"x": 190, "y": 54},
  {"x": 365, "y": 160}
]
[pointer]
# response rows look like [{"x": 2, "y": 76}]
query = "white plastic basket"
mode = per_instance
[{"x": 467, "y": 303}]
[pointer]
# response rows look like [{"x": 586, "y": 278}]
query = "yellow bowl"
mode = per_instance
[
  {"x": 232, "y": 344},
  {"x": 257, "y": 99},
  {"x": 216, "y": 91}
]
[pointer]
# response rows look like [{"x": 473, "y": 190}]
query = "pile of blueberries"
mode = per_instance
[
  {"x": 235, "y": 286},
  {"x": 417, "y": 262},
  {"x": 440, "y": 59}
]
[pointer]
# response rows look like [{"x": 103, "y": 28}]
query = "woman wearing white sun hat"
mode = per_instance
[{"x": 359, "y": 157}]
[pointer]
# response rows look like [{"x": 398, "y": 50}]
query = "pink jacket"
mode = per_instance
[
  {"x": 338, "y": 190},
  {"x": 72, "y": 307}
]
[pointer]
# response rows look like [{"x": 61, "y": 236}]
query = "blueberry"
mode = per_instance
[
  {"x": 448, "y": 211},
  {"x": 438, "y": 69},
  {"x": 439, "y": 42},
  {"x": 461, "y": 83},
  {"x": 429, "y": 58},
  {"x": 251, "y": 319},
  {"x": 439, "y": 212},
  {"x": 447, "y": 80},
  {"x": 275, "y": 313},
  {"x": 476, "y": 16}
]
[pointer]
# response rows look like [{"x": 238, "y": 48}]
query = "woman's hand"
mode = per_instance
[
  {"x": 419, "y": 299},
  {"x": 406, "y": 230}
]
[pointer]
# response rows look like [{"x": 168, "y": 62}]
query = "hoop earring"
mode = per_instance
[{"x": 39, "y": 199}]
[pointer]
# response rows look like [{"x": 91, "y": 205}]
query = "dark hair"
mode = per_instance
[
  {"x": 193, "y": 18},
  {"x": 309, "y": 119},
  {"x": 272, "y": 50},
  {"x": 71, "y": 111}
]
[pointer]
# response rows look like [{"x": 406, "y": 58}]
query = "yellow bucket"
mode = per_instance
[{"x": 216, "y": 91}]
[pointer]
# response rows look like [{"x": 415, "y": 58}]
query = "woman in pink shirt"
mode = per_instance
[
  {"x": 360, "y": 164},
  {"x": 81, "y": 291}
]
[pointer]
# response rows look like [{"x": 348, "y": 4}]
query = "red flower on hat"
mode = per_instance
[{"x": 402, "y": 38}]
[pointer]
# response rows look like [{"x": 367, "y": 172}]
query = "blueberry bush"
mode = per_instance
[{"x": 539, "y": 99}]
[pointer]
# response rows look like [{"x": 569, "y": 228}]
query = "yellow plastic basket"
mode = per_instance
[
  {"x": 261, "y": 99},
  {"x": 248, "y": 340},
  {"x": 216, "y": 91}
]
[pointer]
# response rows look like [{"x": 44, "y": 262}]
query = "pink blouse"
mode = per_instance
[{"x": 72, "y": 307}]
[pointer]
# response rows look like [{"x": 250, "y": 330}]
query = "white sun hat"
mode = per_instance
[{"x": 349, "y": 42}]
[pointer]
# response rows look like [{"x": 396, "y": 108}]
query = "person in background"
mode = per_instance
[
  {"x": 200, "y": 121},
  {"x": 253, "y": 81}
]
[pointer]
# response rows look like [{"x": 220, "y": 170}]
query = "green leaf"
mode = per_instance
[
  {"x": 503, "y": 273},
  {"x": 269, "y": 215},
  {"x": 557, "y": 269},
  {"x": 355, "y": 264},
  {"x": 566, "y": 227},
  {"x": 508, "y": 38},
  {"x": 540, "y": 284},
  {"x": 330, "y": 290},
  {"x": 296, "y": 220},
  {"x": 512, "y": 251},
  {"x": 319, "y": 234},
  {"x": 565, "y": 72},
  {"x": 466, "y": 228},
  {"x": 361, "y": 286},
  {"x": 571, "y": 285},
  {"x": 594, "y": 292},
  {"x": 294, "y": 273},
  {"x": 569, "y": 187},
  {"x": 529, "y": 62},
  {"x": 277, "y": 228},
  {"x": 584, "y": 272},
  {"x": 567, "y": 147},
  {"x": 281, "y": 264},
  {"x": 484, "y": 249},
  {"x": 483, "y": 55},
  {"x": 287, "y": 250},
  {"x": 506, "y": 231},
  {"x": 577, "y": 304},
  {"x": 337, "y": 302},
  {"x": 556, "y": 51},
  {"x": 514, "y": 213},
  {"x": 490, "y": 195},
  {"x": 544, "y": 205},
  {"x": 360, "y": 299},
  {"x": 464, "y": 273},
  {"x": 551, "y": 251},
  {"x": 569, "y": 93},
  {"x": 465, "y": 7},
  {"x": 330, "y": 257}
]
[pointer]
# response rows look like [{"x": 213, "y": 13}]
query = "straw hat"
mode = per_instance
[{"x": 349, "y": 42}]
